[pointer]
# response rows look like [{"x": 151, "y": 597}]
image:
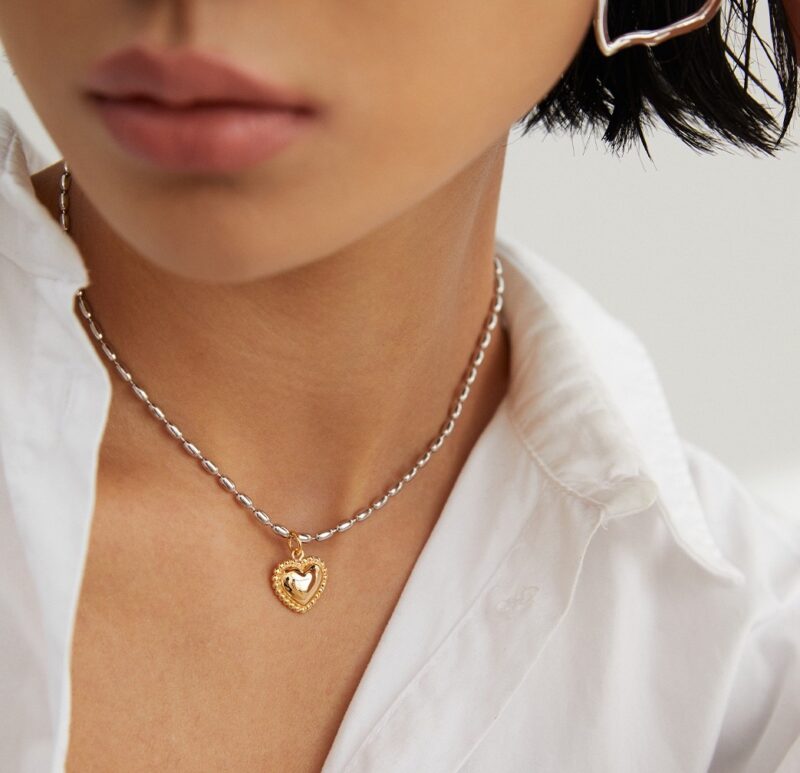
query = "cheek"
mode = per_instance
[
  {"x": 50, "y": 45},
  {"x": 26, "y": 34},
  {"x": 433, "y": 86}
]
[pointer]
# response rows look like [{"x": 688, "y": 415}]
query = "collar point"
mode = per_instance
[{"x": 624, "y": 496}]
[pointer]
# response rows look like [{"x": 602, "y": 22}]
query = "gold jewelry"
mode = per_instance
[{"x": 299, "y": 581}]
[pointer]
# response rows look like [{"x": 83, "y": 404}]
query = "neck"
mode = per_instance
[{"x": 332, "y": 377}]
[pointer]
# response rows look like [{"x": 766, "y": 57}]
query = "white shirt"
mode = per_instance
[{"x": 631, "y": 609}]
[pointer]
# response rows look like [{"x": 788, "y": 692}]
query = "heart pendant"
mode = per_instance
[{"x": 299, "y": 581}]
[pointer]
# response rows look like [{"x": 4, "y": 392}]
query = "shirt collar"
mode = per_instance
[
  {"x": 584, "y": 393},
  {"x": 591, "y": 411},
  {"x": 29, "y": 235}
]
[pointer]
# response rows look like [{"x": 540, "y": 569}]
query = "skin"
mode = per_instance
[{"x": 307, "y": 322}]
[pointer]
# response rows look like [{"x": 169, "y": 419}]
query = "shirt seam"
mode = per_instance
[{"x": 546, "y": 470}]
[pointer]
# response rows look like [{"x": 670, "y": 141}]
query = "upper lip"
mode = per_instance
[{"x": 181, "y": 78}]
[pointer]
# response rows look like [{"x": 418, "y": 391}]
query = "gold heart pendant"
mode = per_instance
[{"x": 299, "y": 581}]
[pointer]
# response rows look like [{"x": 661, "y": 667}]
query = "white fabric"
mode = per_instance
[{"x": 634, "y": 609}]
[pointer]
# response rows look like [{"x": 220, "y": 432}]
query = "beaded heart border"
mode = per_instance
[{"x": 300, "y": 565}]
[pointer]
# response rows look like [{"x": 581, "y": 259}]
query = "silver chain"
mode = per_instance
[{"x": 476, "y": 358}]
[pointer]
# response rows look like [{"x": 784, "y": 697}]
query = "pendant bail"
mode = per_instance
[{"x": 296, "y": 546}]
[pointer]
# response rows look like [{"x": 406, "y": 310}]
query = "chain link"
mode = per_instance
[{"x": 462, "y": 393}]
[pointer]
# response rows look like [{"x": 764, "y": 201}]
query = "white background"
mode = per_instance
[{"x": 699, "y": 255}]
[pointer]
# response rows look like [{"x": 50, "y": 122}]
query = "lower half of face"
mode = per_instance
[{"x": 253, "y": 136}]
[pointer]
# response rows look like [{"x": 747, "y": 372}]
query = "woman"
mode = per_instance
[{"x": 374, "y": 489}]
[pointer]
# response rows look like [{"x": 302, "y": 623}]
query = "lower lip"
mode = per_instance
[{"x": 202, "y": 138}]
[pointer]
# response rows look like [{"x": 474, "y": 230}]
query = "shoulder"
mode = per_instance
[
  {"x": 741, "y": 669},
  {"x": 761, "y": 540},
  {"x": 760, "y": 729}
]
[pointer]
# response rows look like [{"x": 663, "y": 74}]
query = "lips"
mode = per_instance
[{"x": 190, "y": 111}]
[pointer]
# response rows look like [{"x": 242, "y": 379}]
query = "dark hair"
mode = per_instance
[{"x": 700, "y": 85}]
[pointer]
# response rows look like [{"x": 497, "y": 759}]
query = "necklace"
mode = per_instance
[{"x": 300, "y": 580}]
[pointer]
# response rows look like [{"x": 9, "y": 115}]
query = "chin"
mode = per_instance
[{"x": 193, "y": 255}]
